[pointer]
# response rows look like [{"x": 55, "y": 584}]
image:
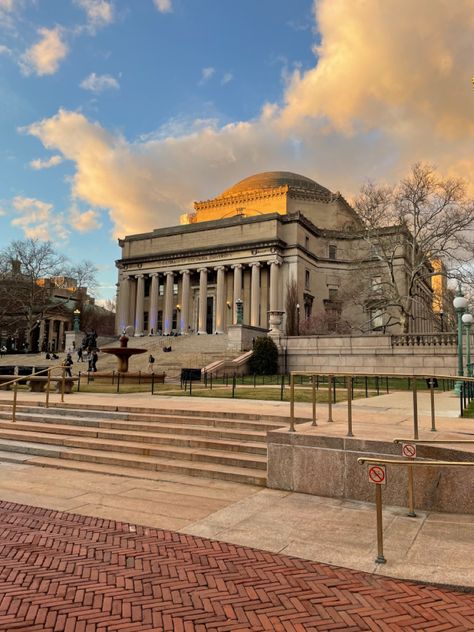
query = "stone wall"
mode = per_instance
[
  {"x": 372, "y": 354},
  {"x": 327, "y": 466}
]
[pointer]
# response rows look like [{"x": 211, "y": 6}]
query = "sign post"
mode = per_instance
[
  {"x": 378, "y": 477},
  {"x": 409, "y": 451}
]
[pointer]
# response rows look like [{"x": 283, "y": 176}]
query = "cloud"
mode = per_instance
[
  {"x": 4, "y": 50},
  {"x": 44, "y": 57},
  {"x": 163, "y": 6},
  {"x": 38, "y": 220},
  {"x": 206, "y": 74},
  {"x": 99, "y": 83},
  {"x": 47, "y": 163},
  {"x": 99, "y": 12},
  {"x": 85, "y": 221},
  {"x": 228, "y": 76},
  {"x": 381, "y": 95}
]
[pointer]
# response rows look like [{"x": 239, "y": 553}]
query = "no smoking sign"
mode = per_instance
[
  {"x": 409, "y": 450},
  {"x": 378, "y": 474}
]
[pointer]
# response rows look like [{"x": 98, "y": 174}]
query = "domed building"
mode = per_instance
[{"x": 233, "y": 260}]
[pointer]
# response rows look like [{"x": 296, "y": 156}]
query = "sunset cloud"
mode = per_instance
[
  {"x": 47, "y": 163},
  {"x": 98, "y": 12},
  {"x": 381, "y": 95},
  {"x": 38, "y": 220},
  {"x": 163, "y": 6},
  {"x": 44, "y": 57},
  {"x": 99, "y": 83},
  {"x": 86, "y": 221}
]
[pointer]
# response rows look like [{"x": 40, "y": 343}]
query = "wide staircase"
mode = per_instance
[
  {"x": 187, "y": 352},
  {"x": 139, "y": 443}
]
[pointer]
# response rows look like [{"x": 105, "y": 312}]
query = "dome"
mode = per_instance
[{"x": 273, "y": 179}]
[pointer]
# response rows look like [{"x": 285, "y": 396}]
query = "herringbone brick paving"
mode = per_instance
[{"x": 65, "y": 572}]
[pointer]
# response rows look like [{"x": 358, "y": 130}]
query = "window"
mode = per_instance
[
  {"x": 332, "y": 252},
  {"x": 159, "y": 322},
  {"x": 306, "y": 242},
  {"x": 376, "y": 318},
  {"x": 145, "y": 321},
  {"x": 146, "y": 289},
  {"x": 161, "y": 289},
  {"x": 175, "y": 289},
  {"x": 307, "y": 279},
  {"x": 333, "y": 293}
]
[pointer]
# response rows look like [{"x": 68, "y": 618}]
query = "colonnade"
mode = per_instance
[{"x": 132, "y": 296}]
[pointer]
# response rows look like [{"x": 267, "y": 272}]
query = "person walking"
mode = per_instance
[
  {"x": 79, "y": 354},
  {"x": 151, "y": 362},
  {"x": 68, "y": 362}
]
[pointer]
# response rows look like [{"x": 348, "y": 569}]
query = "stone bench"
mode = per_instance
[{"x": 38, "y": 382}]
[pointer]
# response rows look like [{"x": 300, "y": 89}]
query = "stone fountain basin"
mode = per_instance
[{"x": 122, "y": 354}]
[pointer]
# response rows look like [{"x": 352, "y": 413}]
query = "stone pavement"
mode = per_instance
[{"x": 64, "y": 572}]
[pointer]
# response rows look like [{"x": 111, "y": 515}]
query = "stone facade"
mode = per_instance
[{"x": 248, "y": 244}]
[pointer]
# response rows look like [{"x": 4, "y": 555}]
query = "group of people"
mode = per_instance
[{"x": 83, "y": 355}]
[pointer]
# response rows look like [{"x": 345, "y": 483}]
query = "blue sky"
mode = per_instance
[{"x": 116, "y": 114}]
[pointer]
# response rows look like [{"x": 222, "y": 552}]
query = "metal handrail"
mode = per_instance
[
  {"x": 19, "y": 378},
  {"x": 410, "y": 463},
  {"x": 350, "y": 376}
]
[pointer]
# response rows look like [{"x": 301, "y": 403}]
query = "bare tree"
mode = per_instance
[{"x": 413, "y": 232}]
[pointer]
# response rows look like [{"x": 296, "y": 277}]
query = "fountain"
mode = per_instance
[{"x": 123, "y": 353}]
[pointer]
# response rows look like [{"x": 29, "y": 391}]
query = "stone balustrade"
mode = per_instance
[{"x": 425, "y": 340}]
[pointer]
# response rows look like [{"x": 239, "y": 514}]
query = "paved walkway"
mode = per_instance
[{"x": 64, "y": 572}]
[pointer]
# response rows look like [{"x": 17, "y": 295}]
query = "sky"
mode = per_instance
[{"x": 115, "y": 115}]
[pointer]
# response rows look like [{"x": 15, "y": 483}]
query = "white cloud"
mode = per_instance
[
  {"x": 6, "y": 5},
  {"x": 379, "y": 98},
  {"x": 99, "y": 83},
  {"x": 44, "y": 57},
  {"x": 228, "y": 76},
  {"x": 206, "y": 74},
  {"x": 47, "y": 163},
  {"x": 38, "y": 220},
  {"x": 4, "y": 50},
  {"x": 84, "y": 222},
  {"x": 99, "y": 12},
  {"x": 164, "y": 6}
]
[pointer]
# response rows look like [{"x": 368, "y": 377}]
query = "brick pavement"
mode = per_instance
[{"x": 65, "y": 572}]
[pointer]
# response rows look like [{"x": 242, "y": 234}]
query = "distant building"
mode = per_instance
[{"x": 250, "y": 244}]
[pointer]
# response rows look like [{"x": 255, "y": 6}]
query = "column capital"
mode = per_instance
[
  {"x": 276, "y": 261},
  {"x": 202, "y": 270},
  {"x": 183, "y": 272},
  {"x": 154, "y": 274},
  {"x": 139, "y": 276},
  {"x": 219, "y": 267},
  {"x": 236, "y": 266},
  {"x": 255, "y": 264},
  {"x": 169, "y": 273}
]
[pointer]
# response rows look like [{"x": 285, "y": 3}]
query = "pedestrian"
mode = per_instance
[
  {"x": 79, "y": 354},
  {"x": 3, "y": 350},
  {"x": 94, "y": 359},
  {"x": 68, "y": 362},
  {"x": 151, "y": 362}
]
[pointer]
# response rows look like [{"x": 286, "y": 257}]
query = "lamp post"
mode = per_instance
[
  {"x": 441, "y": 320},
  {"x": 77, "y": 313},
  {"x": 467, "y": 321},
  {"x": 240, "y": 311},
  {"x": 297, "y": 319},
  {"x": 460, "y": 304}
]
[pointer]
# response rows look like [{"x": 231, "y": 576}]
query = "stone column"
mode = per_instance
[
  {"x": 237, "y": 268},
  {"x": 202, "y": 300},
  {"x": 153, "y": 311},
  {"x": 275, "y": 310},
  {"x": 220, "y": 300},
  {"x": 255, "y": 295},
  {"x": 139, "y": 305},
  {"x": 185, "y": 296},
  {"x": 168, "y": 315},
  {"x": 124, "y": 304},
  {"x": 61, "y": 336}
]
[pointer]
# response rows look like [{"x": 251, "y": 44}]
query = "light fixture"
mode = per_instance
[
  {"x": 178, "y": 307},
  {"x": 229, "y": 304}
]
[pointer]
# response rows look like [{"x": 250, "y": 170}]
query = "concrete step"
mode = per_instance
[
  {"x": 88, "y": 460},
  {"x": 185, "y": 417},
  {"x": 187, "y": 439}
]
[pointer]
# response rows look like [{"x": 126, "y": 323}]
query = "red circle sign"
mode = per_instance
[
  {"x": 377, "y": 474},
  {"x": 409, "y": 450}
]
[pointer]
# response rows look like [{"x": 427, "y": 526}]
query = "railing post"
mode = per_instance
[
  {"x": 380, "y": 559},
  {"x": 366, "y": 387},
  {"x": 63, "y": 383},
  {"x": 282, "y": 386},
  {"x": 415, "y": 410},
  {"x": 432, "y": 401},
  {"x": 152, "y": 382},
  {"x": 313, "y": 385},
  {"x": 411, "y": 492},
  {"x": 349, "y": 406},
  {"x": 234, "y": 382},
  {"x": 292, "y": 404},
  {"x": 48, "y": 384},
  {"x": 118, "y": 381},
  {"x": 15, "y": 395},
  {"x": 330, "y": 398},
  {"x": 79, "y": 382}
]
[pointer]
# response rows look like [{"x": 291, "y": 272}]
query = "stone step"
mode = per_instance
[
  {"x": 187, "y": 437},
  {"x": 184, "y": 417},
  {"x": 101, "y": 461},
  {"x": 139, "y": 449}
]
